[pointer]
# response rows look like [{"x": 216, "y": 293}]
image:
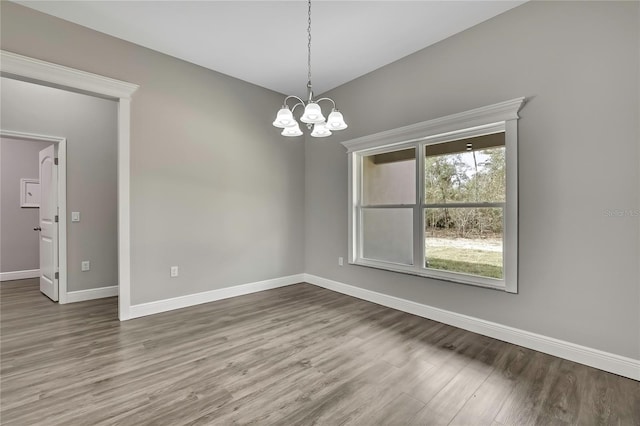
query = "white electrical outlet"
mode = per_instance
[
  {"x": 85, "y": 266},
  {"x": 75, "y": 216},
  {"x": 174, "y": 271},
  {"x": 340, "y": 261}
]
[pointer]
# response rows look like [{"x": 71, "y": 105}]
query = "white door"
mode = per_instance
[{"x": 48, "y": 225}]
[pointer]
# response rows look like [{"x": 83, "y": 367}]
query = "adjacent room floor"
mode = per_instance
[{"x": 293, "y": 355}]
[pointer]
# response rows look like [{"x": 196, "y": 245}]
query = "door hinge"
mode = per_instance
[
  {"x": 55, "y": 161},
  {"x": 57, "y": 276},
  {"x": 56, "y": 218}
]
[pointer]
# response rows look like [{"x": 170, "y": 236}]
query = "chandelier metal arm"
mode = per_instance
[
  {"x": 293, "y": 97},
  {"x": 297, "y": 105},
  {"x": 327, "y": 99}
]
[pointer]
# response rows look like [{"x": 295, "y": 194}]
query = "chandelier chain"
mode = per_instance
[{"x": 309, "y": 46}]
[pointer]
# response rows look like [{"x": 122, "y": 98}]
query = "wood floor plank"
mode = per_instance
[
  {"x": 399, "y": 411},
  {"x": 448, "y": 362},
  {"x": 295, "y": 355},
  {"x": 525, "y": 400},
  {"x": 443, "y": 407},
  {"x": 485, "y": 403},
  {"x": 599, "y": 405}
]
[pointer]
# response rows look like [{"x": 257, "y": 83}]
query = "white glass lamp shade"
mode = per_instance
[
  {"x": 312, "y": 114},
  {"x": 284, "y": 118},
  {"x": 320, "y": 130},
  {"x": 336, "y": 121},
  {"x": 292, "y": 131}
]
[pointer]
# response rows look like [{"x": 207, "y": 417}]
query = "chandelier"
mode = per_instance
[{"x": 312, "y": 115}]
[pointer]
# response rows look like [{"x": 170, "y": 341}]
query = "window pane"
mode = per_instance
[
  {"x": 466, "y": 170},
  {"x": 387, "y": 234},
  {"x": 389, "y": 178},
  {"x": 467, "y": 240}
]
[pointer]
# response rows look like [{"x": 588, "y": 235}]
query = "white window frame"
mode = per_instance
[{"x": 500, "y": 117}]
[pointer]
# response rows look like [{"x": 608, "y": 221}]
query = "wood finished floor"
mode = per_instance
[{"x": 296, "y": 355}]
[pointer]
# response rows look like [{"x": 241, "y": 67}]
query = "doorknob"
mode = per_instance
[{"x": 37, "y": 229}]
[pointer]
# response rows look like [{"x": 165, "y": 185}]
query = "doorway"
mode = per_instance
[
  {"x": 23, "y": 68},
  {"x": 46, "y": 198}
]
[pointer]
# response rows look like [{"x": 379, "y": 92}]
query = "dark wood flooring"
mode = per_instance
[{"x": 297, "y": 355}]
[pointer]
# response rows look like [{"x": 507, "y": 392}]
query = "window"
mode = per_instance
[{"x": 439, "y": 198}]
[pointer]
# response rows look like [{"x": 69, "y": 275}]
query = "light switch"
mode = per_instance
[{"x": 75, "y": 216}]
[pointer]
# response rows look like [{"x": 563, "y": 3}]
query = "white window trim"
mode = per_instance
[{"x": 494, "y": 118}]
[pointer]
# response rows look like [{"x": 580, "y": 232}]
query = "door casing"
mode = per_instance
[{"x": 21, "y": 67}]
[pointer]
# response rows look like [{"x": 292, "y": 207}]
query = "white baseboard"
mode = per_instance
[
  {"x": 143, "y": 309},
  {"x": 19, "y": 275},
  {"x": 606, "y": 361},
  {"x": 92, "y": 293}
]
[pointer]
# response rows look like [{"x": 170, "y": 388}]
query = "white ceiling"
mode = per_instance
[{"x": 265, "y": 42}]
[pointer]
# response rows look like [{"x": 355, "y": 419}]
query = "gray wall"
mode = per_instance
[
  {"x": 19, "y": 249},
  {"x": 577, "y": 62},
  {"x": 90, "y": 126},
  {"x": 218, "y": 192},
  {"x": 215, "y": 189}
]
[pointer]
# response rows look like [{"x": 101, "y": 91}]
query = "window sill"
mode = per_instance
[{"x": 457, "y": 278}]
